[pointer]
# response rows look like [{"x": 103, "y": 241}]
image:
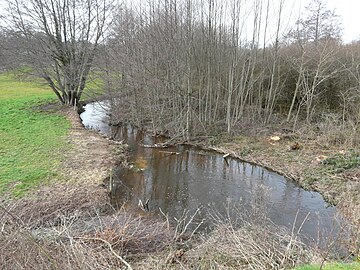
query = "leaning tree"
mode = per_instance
[{"x": 58, "y": 39}]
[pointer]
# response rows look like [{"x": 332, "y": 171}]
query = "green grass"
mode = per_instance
[
  {"x": 331, "y": 266},
  {"x": 30, "y": 141},
  {"x": 341, "y": 162}
]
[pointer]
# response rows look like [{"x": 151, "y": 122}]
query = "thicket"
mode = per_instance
[
  {"x": 202, "y": 67},
  {"x": 192, "y": 68}
]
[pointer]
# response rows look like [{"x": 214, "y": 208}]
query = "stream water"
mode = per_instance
[{"x": 194, "y": 178}]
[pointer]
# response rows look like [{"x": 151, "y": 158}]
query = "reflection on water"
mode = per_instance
[{"x": 194, "y": 178}]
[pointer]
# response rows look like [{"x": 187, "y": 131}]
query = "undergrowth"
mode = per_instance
[{"x": 341, "y": 162}]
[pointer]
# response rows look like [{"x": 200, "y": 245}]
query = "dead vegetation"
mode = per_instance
[
  {"x": 243, "y": 249},
  {"x": 102, "y": 238},
  {"x": 249, "y": 242},
  {"x": 70, "y": 225},
  {"x": 88, "y": 238},
  {"x": 325, "y": 159}
]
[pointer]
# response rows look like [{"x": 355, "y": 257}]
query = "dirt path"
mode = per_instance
[{"x": 90, "y": 157}]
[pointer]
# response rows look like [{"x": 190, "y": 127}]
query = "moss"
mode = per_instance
[
  {"x": 331, "y": 266},
  {"x": 341, "y": 162}
]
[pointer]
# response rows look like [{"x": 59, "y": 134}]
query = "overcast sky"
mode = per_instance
[{"x": 347, "y": 9}]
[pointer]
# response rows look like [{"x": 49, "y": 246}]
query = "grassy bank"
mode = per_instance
[
  {"x": 331, "y": 266},
  {"x": 30, "y": 140}
]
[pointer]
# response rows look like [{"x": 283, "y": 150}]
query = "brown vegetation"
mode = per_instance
[
  {"x": 70, "y": 225},
  {"x": 188, "y": 70},
  {"x": 249, "y": 247}
]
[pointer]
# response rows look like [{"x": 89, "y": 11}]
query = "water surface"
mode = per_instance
[{"x": 183, "y": 177}]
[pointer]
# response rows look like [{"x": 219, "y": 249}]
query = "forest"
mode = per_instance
[{"x": 199, "y": 68}]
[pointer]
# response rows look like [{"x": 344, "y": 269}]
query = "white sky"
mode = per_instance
[{"x": 348, "y": 10}]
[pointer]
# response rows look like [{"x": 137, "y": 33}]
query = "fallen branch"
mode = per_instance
[
  {"x": 156, "y": 145},
  {"x": 110, "y": 247},
  {"x": 170, "y": 152},
  {"x": 225, "y": 158}
]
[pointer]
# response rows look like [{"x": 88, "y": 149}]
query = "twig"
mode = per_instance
[
  {"x": 186, "y": 224},
  {"x": 110, "y": 247},
  {"x": 167, "y": 218}
]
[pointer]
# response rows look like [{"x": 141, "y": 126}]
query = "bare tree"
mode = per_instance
[
  {"x": 59, "y": 39},
  {"x": 319, "y": 22},
  {"x": 190, "y": 68}
]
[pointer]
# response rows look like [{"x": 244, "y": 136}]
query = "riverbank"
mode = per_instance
[
  {"x": 334, "y": 171},
  {"x": 69, "y": 223},
  {"x": 43, "y": 145},
  {"x": 87, "y": 159},
  {"x": 313, "y": 163}
]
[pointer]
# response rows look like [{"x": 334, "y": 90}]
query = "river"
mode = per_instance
[{"x": 185, "y": 178}]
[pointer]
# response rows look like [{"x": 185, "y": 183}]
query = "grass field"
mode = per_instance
[{"x": 30, "y": 140}]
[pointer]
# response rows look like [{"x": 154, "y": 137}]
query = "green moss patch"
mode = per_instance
[{"x": 331, "y": 266}]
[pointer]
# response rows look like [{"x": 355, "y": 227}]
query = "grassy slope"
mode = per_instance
[{"x": 30, "y": 141}]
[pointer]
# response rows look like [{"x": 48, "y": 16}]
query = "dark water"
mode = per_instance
[{"x": 194, "y": 178}]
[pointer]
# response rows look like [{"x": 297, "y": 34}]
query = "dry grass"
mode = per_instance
[
  {"x": 333, "y": 131},
  {"x": 250, "y": 242},
  {"x": 250, "y": 247},
  {"x": 77, "y": 238},
  {"x": 74, "y": 231},
  {"x": 329, "y": 139}
]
